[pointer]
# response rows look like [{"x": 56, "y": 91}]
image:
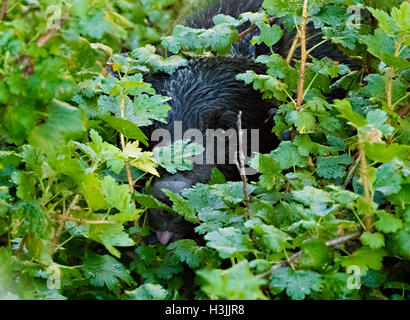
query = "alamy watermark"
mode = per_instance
[
  {"x": 355, "y": 19},
  {"x": 221, "y": 146},
  {"x": 354, "y": 281}
]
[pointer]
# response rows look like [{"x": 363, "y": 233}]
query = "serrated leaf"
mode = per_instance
[
  {"x": 387, "y": 222},
  {"x": 228, "y": 241},
  {"x": 373, "y": 240},
  {"x": 232, "y": 191},
  {"x": 111, "y": 236},
  {"x": 187, "y": 251},
  {"x": 288, "y": 156},
  {"x": 236, "y": 283},
  {"x": 333, "y": 167},
  {"x": 105, "y": 270},
  {"x": 148, "y": 291},
  {"x": 298, "y": 283},
  {"x": 182, "y": 206}
]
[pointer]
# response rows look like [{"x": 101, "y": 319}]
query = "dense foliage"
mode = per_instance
[{"x": 328, "y": 217}]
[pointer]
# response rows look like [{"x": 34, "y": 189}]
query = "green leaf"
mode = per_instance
[
  {"x": 149, "y": 202},
  {"x": 388, "y": 179},
  {"x": 127, "y": 128},
  {"x": 376, "y": 87},
  {"x": 200, "y": 198},
  {"x": 401, "y": 242},
  {"x": 228, "y": 241},
  {"x": 346, "y": 112},
  {"x": 387, "y": 222},
  {"x": 365, "y": 257},
  {"x": 269, "y": 35},
  {"x": 64, "y": 122},
  {"x": 382, "y": 152},
  {"x": 373, "y": 240},
  {"x": 217, "y": 177},
  {"x": 146, "y": 55},
  {"x": 318, "y": 200},
  {"x": 305, "y": 122},
  {"x": 170, "y": 267},
  {"x": 117, "y": 196},
  {"x": 272, "y": 238},
  {"x": 270, "y": 169},
  {"x": 146, "y": 108},
  {"x": 298, "y": 283},
  {"x": 25, "y": 185},
  {"x": 386, "y": 23},
  {"x": 176, "y": 157},
  {"x": 374, "y": 278},
  {"x": 288, "y": 156},
  {"x": 182, "y": 206},
  {"x": 105, "y": 270},
  {"x": 333, "y": 167},
  {"x": 236, "y": 283},
  {"x": 148, "y": 291},
  {"x": 92, "y": 192},
  {"x": 82, "y": 57},
  {"x": 188, "y": 251},
  {"x": 315, "y": 254},
  {"x": 231, "y": 191},
  {"x": 111, "y": 235},
  {"x": 29, "y": 217}
]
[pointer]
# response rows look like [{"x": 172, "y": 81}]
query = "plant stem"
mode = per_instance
[
  {"x": 303, "y": 55},
  {"x": 61, "y": 223},
  {"x": 122, "y": 139},
  {"x": 241, "y": 165},
  {"x": 293, "y": 47},
  {"x": 330, "y": 243},
  {"x": 3, "y": 9},
  {"x": 366, "y": 186}
]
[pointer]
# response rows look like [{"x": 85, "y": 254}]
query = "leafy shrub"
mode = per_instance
[{"x": 335, "y": 198}]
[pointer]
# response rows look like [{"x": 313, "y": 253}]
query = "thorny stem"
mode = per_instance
[
  {"x": 293, "y": 48},
  {"x": 61, "y": 223},
  {"x": 303, "y": 56}
]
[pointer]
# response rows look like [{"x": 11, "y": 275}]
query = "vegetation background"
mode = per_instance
[{"x": 329, "y": 217}]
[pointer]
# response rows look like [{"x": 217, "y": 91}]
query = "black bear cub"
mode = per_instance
[{"x": 206, "y": 95}]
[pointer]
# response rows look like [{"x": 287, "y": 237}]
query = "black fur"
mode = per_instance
[{"x": 205, "y": 94}]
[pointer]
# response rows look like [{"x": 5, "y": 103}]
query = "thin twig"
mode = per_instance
[
  {"x": 330, "y": 243},
  {"x": 303, "y": 56},
  {"x": 252, "y": 28},
  {"x": 241, "y": 165},
  {"x": 61, "y": 223},
  {"x": 389, "y": 86},
  {"x": 84, "y": 221},
  {"x": 127, "y": 165},
  {"x": 366, "y": 185},
  {"x": 293, "y": 47},
  {"x": 3, "y": 9},
  {"x": 352, "y": 171},
  {"x": 46, "y": 37}
]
